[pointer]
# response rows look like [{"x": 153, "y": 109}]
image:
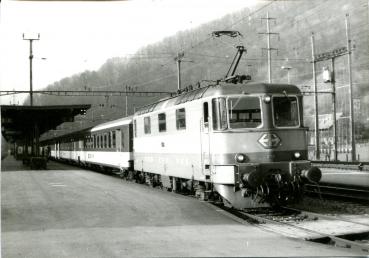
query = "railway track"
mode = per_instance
[
  {"x": 338, "y": 192},
  {"x": 325, "y": 229}
]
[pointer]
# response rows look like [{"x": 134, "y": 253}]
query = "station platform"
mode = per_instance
[{"x": 70, "y": 212}]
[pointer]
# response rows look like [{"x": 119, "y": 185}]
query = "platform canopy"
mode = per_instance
[{"x": 18, "y": 123}]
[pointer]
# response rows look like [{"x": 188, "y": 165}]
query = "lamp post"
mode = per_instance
[
  {"x": 30, "y": 65},
  {"x": 288, "y": 68}
]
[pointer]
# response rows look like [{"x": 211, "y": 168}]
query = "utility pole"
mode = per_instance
[
  {"x": 126, "y": 101},
  {"x": 352, "y": 123},
  {"x": 269, "y": 48},
  {"x": 334, "y": 111},
  {"x": 30, "y": 65},
  {"x": 178, "y": 59},
  {"x": 317, "y": 149}
]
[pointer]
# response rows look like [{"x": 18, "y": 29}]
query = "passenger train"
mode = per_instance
[{"x": 244, "y": 141}]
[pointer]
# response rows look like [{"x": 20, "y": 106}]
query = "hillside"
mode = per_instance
[{"x": 153, "y": 67}]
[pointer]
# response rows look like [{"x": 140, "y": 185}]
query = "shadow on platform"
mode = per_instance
[{"x": 10, "y": 164}]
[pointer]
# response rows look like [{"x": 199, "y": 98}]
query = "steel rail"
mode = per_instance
[
  {"x": 339, "y": 191},
  {"x": 323, "y": 216},
  {"x": 337, "y": 240}
]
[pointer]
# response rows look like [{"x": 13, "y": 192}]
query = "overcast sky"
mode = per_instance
[{"x": 79, "y": 36}]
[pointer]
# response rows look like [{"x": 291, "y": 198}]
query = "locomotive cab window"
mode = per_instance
[
  {"x": 285, "y": 111},
  {"x": 244, "y": 112},
  {"x": 219, "y": 108},
  {"x": 181, "y": 119}
]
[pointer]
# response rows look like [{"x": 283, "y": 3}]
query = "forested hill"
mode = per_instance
[{"x": 153, "y": 67}]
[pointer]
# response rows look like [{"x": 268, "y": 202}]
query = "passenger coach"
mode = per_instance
[{"x": 107, "y": 146}]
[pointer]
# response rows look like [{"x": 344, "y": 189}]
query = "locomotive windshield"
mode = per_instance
[
  {"x": 286, "y": 113},
  {"x": 244, "y": 112},
  {"x": 236, "y": 112}
]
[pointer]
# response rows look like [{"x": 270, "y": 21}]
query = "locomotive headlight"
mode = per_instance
[
  {"x": 267, "y": 99},
  {"x": 297, "y": 155},
  {"x": 240, "y": 158}
]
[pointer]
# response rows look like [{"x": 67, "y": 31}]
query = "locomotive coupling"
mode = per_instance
[{"x": 312, "y": 174}]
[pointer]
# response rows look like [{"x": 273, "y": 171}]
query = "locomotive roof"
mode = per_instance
[
  {"x": 220, "y": 89},
  {"x": 251, "y": 88}
]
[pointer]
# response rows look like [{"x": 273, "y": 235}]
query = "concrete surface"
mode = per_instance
[{"x": 78, "y": 213}]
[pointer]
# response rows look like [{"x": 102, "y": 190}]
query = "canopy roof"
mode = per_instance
[{"x": 18, "y": 122}]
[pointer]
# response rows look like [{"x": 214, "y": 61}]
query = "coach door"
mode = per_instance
[{"x": 205, "y": 140}]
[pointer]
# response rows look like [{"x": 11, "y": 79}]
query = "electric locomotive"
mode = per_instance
[{"x": 245, "y": 140}]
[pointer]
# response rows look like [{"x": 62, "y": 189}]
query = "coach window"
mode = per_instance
[
  {"x": 219, "y": 108},
  {"x": 122, "y": 135},
  {"x": 162, "y": 122},
  {"x": 113, "y": 139},
  {"x": 181, "y": 119},
  {"x": 135, "y": 127},
  {"x": 105, "y": 140},
  {"x": 147, "y": 125},
  {"x": 206, "y": 114}
]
